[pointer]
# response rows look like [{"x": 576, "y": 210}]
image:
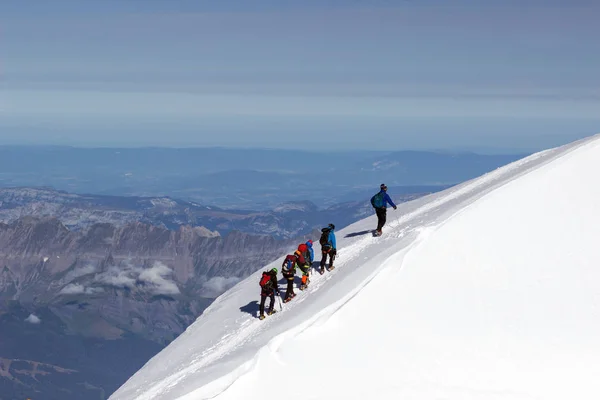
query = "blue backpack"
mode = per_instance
[{"x": 378, "y": 200}]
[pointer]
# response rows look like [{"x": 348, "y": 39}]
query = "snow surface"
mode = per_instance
[{"x": 488, "y": 290}]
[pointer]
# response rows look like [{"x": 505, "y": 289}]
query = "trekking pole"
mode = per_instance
[{"x": 279, "y": 298}]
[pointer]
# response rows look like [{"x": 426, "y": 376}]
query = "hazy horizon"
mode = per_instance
[{"x": 91, "y": 146}]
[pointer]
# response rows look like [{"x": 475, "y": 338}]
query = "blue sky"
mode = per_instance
[{"x": 401, "y": 74}]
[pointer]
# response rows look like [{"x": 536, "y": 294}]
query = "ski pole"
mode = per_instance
[{"x": 279, "y": 298}]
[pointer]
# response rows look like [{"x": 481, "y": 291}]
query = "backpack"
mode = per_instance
[
  {"x": 287, "y": 269},
  {"x": 288, "y": 264},
  {"x": 265, "y": 281},
  {"x": 378, "y": 200},
  {"x": 324, "y": 240}
]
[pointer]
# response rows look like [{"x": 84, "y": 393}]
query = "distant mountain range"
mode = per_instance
[
  {"x": 254, "y": 179},
  {"x": 285, "y": 221}
]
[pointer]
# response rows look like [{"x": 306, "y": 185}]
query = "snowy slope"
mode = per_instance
[{"x": 489, "y": 290}]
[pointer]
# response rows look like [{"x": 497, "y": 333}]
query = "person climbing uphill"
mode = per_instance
[
  {"x": 268, "y": 288},
  {"x": 307, "y": 252},
  {"x": 379, "y": 203},
  {"x": 304, "y": 263},
  {"x": 288, "y": 269},
  {"x": 328, "y": 247}
]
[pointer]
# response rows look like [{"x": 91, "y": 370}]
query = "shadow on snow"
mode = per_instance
[
  {"x": 251, "y": 308},
  {"x": 353, "y": 234}
]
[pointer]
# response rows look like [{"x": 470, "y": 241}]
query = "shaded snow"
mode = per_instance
[{"x": 488, "y": 290}]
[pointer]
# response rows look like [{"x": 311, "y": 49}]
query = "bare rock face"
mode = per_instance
[
  {"x": 136, "y": 266},
  {"x": 136, "y": 286}
]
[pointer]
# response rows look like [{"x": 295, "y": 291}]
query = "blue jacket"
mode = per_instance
[
  {"x": 311, "y": 252},
  {"x": 332, "y": 239},
  {"x": 387, "y": 200}
]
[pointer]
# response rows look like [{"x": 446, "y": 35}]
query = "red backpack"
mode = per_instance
[{"x": 265, "y": 281}]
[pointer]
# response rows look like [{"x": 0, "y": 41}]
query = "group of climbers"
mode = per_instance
[{"x": 303, "y": 257}]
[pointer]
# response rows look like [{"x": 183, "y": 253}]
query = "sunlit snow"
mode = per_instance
[{"x": 488, "y": 290}]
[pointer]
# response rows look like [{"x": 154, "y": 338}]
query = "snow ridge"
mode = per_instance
[{"x": 226, "y": 346}]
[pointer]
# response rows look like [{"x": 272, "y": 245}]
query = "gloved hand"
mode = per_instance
[{"x": 395, "y": 207}]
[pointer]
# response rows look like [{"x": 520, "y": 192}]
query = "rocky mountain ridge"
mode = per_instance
[{"x": 136, "y": 283}]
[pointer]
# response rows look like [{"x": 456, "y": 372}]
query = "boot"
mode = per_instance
[
  {"x": 262, "y": 316},
  {"x": 304, "y": 282},
  {"x": 271, "y": 312}
]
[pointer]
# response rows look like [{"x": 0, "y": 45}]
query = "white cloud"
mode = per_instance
[
  {"x": 76, "y": 288},
  {"x": 33, "y": 319},
  {"x": 73, "y": 288},
  {"x": 93, "y": 290},
  {"x": 218, "y": 285},
  {"x": 117, "y": 277},
  {"x": 156, "y": 277}
]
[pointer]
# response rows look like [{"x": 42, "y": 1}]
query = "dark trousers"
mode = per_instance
[
  {"x": 324, "y": 253},
  {"x": 263, "y": 298},
  {"x": 381, "y": 217},
  {"x": 290, "y": 288}
]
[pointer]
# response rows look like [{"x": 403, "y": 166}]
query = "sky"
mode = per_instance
[
  {"x": 487, "y": 290},
  {"x": 313, "y": 74}
]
